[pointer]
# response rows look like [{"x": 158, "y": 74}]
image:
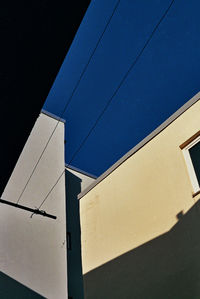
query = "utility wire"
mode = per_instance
[
  {"x": 70, "y": 98},
  {"x": 121, "y": 83},
  {"x": 115, "y": 92},
  {"x": 51, "y": 189}
]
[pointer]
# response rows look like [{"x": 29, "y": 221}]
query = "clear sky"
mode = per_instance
[{"x": 165, "y": 76}]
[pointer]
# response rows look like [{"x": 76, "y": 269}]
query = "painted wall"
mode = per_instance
[
  {"x": 85, "y": 180},
  {"x": 33, "y": 250},
  {"x": 140, "y": 225},
  {"x": 76, "y": 182}
]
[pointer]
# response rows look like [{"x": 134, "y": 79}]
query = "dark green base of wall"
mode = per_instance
[
  {"x": 167, "y": 267},
  {"x": 11, "y": 289}
]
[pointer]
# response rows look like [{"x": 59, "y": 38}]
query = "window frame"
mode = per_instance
[{"x": 190, "y": 167}]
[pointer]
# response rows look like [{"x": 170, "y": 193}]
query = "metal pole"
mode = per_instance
[{"x": 34, "y": 211}]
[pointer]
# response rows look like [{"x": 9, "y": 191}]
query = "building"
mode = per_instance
[
  {"x": 76, "y": 182},
  {"x": 35, "y": 40},
  {"x": 131, "y": 233},
  {"x": 140, "y": 219},
  {"x": 33, "y": 259},
  {"x": 32, "y": 249}
]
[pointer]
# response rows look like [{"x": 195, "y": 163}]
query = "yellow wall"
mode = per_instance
[{"x": 139, "y": 200}]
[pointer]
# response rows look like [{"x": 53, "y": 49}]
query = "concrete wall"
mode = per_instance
[
  {"x": 76, "y": 182},
  {"x": 33, "y": 250},
  {"x": 85, "y": 179},
  {"x": 140, "y": 225}
]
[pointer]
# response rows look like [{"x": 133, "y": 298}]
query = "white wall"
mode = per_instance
[
  {"x": 86, "y": 180},
  {"x": 33, "y": 250}
]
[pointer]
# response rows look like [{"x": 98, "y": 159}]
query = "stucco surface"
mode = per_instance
[
  {"x": 139, "y": 200},
  {"x": 33, "y": 250}
]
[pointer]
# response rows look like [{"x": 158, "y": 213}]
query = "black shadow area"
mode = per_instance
[
  {"x": 166, "y": 267},
  {"x": 10, "y": 288},
  {"x": 35, "y": 38},
  {"x": 74, "y": 268}
]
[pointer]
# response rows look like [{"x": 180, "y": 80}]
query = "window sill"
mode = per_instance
[{"x": 196, "y": 193}]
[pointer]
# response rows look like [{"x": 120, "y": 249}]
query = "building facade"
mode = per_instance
[
  {"x": 40, "y": 257},
  {"x": 131, "y": 233},
  {"x": 140, "y": 220},
  {"x": 33, "y": 249}
]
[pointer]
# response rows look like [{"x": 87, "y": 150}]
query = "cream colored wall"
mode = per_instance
[
  {"x": 141, "y": 198},
  {"x": 33, "y": 250}
]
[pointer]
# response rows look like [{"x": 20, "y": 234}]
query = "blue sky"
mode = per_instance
[{"x": 163, "y": 79}]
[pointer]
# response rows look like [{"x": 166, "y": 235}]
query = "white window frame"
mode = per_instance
[{"x": 189, "y": 164}]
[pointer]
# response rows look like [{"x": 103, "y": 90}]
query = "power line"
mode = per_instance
[
  {"x": 70, "y": 98},
  {"x": 51, "y": 189},
  {"x": 115, "y": 92},
  {"x": 120, "y": 84}
]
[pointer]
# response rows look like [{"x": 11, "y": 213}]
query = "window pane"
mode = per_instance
[{"x": 195, "y": 156}]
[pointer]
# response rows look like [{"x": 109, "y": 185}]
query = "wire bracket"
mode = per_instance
[{"x": 34, "y": 211}]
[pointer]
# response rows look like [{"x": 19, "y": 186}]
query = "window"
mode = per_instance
[
  {"x": 69, "y": 241},
  {"x": 192, "y": 156}
]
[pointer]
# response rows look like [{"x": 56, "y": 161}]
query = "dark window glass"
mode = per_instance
[
  {"x": 69, "y": 241},
  {"x": 195, "y": 157}
]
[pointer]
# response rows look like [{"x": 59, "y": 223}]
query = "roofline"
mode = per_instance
[
  {"x": 159, "y": 129},
  {"x": 52, "y": 116},
  {"x": 80, "y": 171}
]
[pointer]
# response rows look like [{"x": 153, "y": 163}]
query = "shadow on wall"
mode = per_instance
[
  {"x": 10, "y": 288},
  {"x": 165, "y": 267},
  {"x": 74, "y": 269}
]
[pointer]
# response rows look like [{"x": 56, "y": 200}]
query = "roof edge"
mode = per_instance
[
  {"x": 52, "y": 115},
  {"x": 154, "y": 133},
  {"x": 80, "y": 171}
]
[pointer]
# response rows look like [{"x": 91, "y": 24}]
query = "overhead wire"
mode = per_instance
[
  {"x": 115, "y": 92},
  {"x": 69, "y": 99},
  {"x": 121, "y": 83},
  {"x": 51, "y": 189}
]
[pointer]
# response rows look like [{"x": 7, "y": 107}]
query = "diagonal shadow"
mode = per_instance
[
  {"x": 74, "y": 269},
  {"x": 10, "y": 288},
  {"x": 167, "y": 267}
]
